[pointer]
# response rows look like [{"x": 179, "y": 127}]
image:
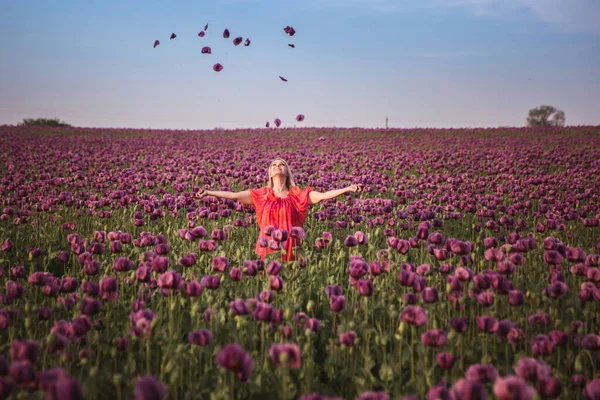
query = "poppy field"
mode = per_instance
[{"x": 467, "y": 269}]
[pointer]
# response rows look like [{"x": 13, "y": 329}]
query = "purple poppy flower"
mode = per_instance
[
  {"x": 201, "y": 337},
  {"x": 285, "y": 355},
  {"x": 235, "y": 359},
  {"x": 482, "y": 373},
  {"x": 218, "y": 67},
  {"x": 149, "y": 388},
  {"x": 348, "y": 338},
  {"x": 226, "y": 34},
  {"x": 466, "y": 389},
  {"x": 173, "y": 36},
  {"x": 365, "y": 287},
  {"x": 237, "y": 40},
  {"x": 122, "y": 264},
  {"x": 300, "y": 117},
  {"x": 414, "y": 315},
  {"x": 512, "y": 387},
  {"x": 445, "y": 360}
]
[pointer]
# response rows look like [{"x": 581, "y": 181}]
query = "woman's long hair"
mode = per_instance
[{"x": 289, "y": 179}]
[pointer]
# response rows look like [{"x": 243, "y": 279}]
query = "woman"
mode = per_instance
[{"x": 281, "y": 204}]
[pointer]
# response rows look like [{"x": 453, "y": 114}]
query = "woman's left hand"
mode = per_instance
[{"x": 357, "y": 188}]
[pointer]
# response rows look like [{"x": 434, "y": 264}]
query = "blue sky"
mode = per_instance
[{"x": 427, "y": 63}]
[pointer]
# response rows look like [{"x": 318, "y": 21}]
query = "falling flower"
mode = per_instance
[
  {"x": 156, "y": 43},
  {"x": 237, "y": 40},
  {"x": 247, "y": 42},
  {"x": 217, "y": 67},
  {"x": 300, "y": 117},
  {"x": 277, "y": 122},
  {"x": 201, "y": 33},
  {"x": 289, "y": 30},
  {"x": 293, "y": 46},
  {"x": 206, "y": 50},
  {"x": 173, "y": 36},
  {"x": 226, "y": 33},
  {"x": 282, "y": 78}
]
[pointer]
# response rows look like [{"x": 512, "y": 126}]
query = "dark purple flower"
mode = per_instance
[
  {"x": 464, "y": 389},
  {"x": 24, "y": 350},
  {"x": 337, "y": 303},
  {"x": 149, "y": 388},
  {"x": 482, "y": 373},
  {"x": 348, "y": 338},
  {"x": 434, "y": 338},
  {"x": 414, "y": 315},
  {"x": 220, "y": 264},
  {"x": 512, "y": 388},
  {"x": 285, "y": 355},
  {"x": 530, "y": 369},
  {"x": 90, "y": 306},
  {"x": 445, "y": 360},
  {"x": 201, "y": 337},
  {"x": 65, "y": 389},
  {"x": 235, "y": 359},
  {"x": 365, "y": 287}
]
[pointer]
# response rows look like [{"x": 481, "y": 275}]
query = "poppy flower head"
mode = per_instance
[
  {"x": 237, "y": 41},
  {"x": 201, "y": 33},
  {"x": 226, "y": 33},
  {"x": 156, "y": 43},
  {"x": 289, "y": 30},
  {"x": 173, "y": 36},
  {"x": 217, "y": 67}
]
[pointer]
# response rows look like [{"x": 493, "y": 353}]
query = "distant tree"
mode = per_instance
[
  {"x": 44, "y": 122},
  {"x": 546, "y": 116}
]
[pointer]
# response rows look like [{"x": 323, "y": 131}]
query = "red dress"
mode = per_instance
[{"x": 282, "y": 213}]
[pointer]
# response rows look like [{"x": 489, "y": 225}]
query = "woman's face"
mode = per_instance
[{"x": 277, "y": 167}]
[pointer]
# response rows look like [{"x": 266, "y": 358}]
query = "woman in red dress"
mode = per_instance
[{"x": 281, "y": 204}]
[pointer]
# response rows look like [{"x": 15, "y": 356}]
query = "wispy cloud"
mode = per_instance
[
  {"x": 570, "y": 15},
  {"x": 444, "y": 54}
]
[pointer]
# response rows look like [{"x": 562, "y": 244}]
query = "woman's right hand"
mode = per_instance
[{"x": 201, "y": 193}]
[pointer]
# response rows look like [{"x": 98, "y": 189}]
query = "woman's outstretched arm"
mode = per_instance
[
  {"x": 315, "y": 197},
  {"x": 243, "y": 197}
]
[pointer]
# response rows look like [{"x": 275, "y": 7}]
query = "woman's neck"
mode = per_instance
[{"x": 279, "y": 185}]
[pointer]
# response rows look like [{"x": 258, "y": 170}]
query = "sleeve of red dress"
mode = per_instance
[
  {"x": 300, "y": 199},
  {"x": 259, "y": 199}
]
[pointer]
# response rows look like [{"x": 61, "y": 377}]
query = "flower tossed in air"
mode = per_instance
[
  {"x": 300, "y": 117},
  {"x": 285, "y": 355},
  {"x": 217, "y": 67},
  {"x": 173, "y": 36},
  {"x": 226, "y": 34},
  {"x": 277, "y": 122},
  {"x": 156, "y": 43},
  {"x": 206, "y": 50},
  {"x": 237, "y": 41},
  {"x": 289, "y": 30},
  {"x": 234, "y": 358}
]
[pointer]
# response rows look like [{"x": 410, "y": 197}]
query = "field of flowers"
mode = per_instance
[{"x": 468, "y": 269}]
